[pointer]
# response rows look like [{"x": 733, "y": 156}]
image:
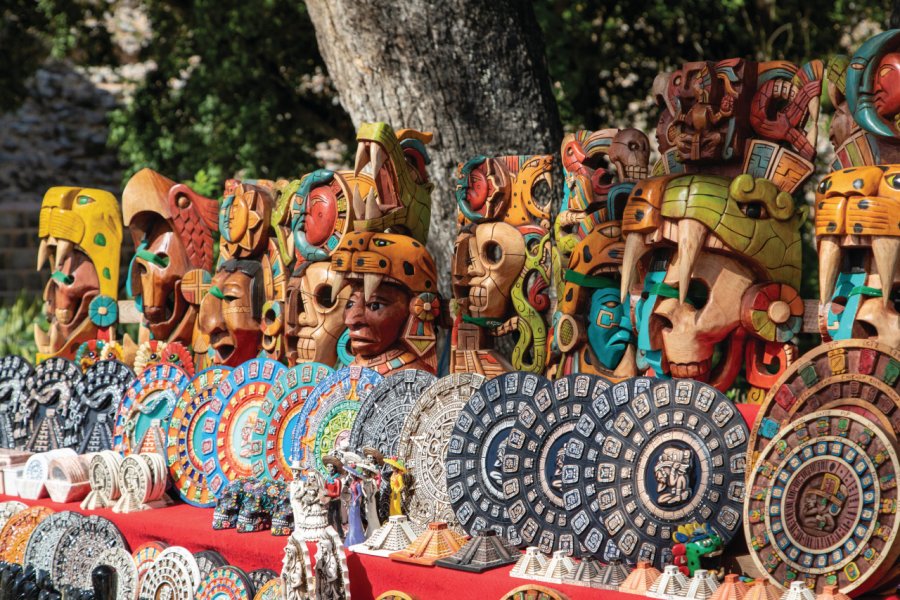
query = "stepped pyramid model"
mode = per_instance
[
  {"x": 558, "y": 567},
  {"x": 587, "y": 573},
  {"x": 831, "y": 592},
  {"x": 486, "y": 550},
  {"x": 153, "y": 441},
  {"x": 640, "y": 580},
  {"x": 396, "y": 534},
  {"x": 530, "y": 565},
  {"x": 435, "y": 543},
  {"x": 731, "y": 589},
  {"x": 701, "y": 586},
  {"x": 671, "y": 584},
  {"x": 98, "y": 439},
  {"x": 762, "y": 589},
  {"x": 798, "y": 591},
  {"x": 613, "y": 575}
]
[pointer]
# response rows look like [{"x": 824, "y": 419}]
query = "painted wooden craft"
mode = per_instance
[
  {"x": 314, "y": 328},
  {"x": 81, "y": 236}
]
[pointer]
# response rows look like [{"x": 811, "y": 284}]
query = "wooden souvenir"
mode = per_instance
[
  {"x": 173, "y": 229},
  {"x": 81, "y": 236},
  {"x": 314, "y": 316},
  {"x": 828, "y": 481},
  {"x": 501, "y": 272},
  {"x": 156, "y": 352},
  {"x": 533, "y": 592},
  {"x": 712, "y": 266},
  {"x": 436, "y": 542},
  {"x": 858, "y": 239},
  {"x": 298, "y": 580},
  {"x": 43, "y": 413},
  {"x": 143, "y": 414},
  {"x": 15, "y": 371}
]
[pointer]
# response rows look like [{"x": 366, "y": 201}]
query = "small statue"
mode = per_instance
[
  {"x": 308, "y": 503},
  {"x": 697, "y": 547},
  {"x": 334, "y": 469},
  {"x": 332, "y": 579},
  {"x": 281, "y": 507},
  {"x": 256, "y": 507},
  {"x": 371, "y": 486},
  {"x": 355, "y": 532},
  {"x": 296, "y": 571},
  {"x": 398, "y": 484},
  {"x": 228, "y": 505}
]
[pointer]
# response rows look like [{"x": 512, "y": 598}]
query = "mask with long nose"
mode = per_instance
[{"x": 231, "y": 311}]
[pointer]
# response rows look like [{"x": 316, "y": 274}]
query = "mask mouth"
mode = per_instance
[{"x": 222, "y": 344}]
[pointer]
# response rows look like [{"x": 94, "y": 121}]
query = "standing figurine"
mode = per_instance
[
  {"x": 334, "y": 469},
  {"x": 355, "y": 532},
  {"x": 398, "y": 484},
  {"x": 308, "y": 503},
  {"x": 330, "y": 569},
  {"x": 370, "y": 485}
]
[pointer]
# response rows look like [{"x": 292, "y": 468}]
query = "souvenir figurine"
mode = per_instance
[
  {"x": 297, "y": 576},
  {"x": 696, "y": 547},
  {"x": 334, "y": 468},
  {"x": 314, "y": 316},
  {"x": 307, "y": 501},
  {"x": 501, "y": 264},
  {"x": 81, "y": 236},
  {"x": 280, "y": 507},
  {"x": 173, "y": 229},
  {"x": 228, "y": 505},
  {"x": 331, "y": 575},
  {"x": 393, "y": 305},
  {"x": 256, "y": 507},
  {"x": 398, "y": 485},
  {"x": 371, "y": 487},
  {"x": 355, "y": 532}
]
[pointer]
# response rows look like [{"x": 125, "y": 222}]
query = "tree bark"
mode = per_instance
[{"x": 472, "y": 72}]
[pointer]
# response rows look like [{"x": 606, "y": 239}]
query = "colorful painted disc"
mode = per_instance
[
  {"x": 14, "y": 373},
  {"x": 18, "y": 529},
  {"x": 190, "y": 427},
  {"x": 269, "y": 591},
  {"x": 142, "y": 418},
  {"x": 856, "y": 375},
  {"x": 261, "y": 577},
  {"x": 145, "y": 554},
  {"x": 424, "y": 440},
  {"x": 226, "y": 583},
  {"x": 822, "y": 503},
  {"x": 279, "y": 418},
  {"x": 49, "y": 391},
  {"x": 90, "y": 419},
  {"x": 233, "y": 412},
  {"x": 476, "y": 450},
  {"x": 121, "y": 560},
  {"x": 45, "y": 538},
  {"x": 79, "y": 547},
  {"x": 532, "y": 464},
  {"x": 348, "y": 384},
  {"x": 643, "y": 460}
]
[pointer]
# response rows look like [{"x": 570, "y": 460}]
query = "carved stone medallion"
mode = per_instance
[
  {"x": 79, "y": 547},
  {"x": 174, "y": 575},
  {"x": 18, "y": 529},
  {"x": 126, "y": 571},
  {"x": 208, "y": 561},
  {"x": 50, "y": 390},
  {"x": 142, "y": 418},
  {"x": 476, "y": 450},
  {"x": 90, "y": 418},
  {"x": 424, "y": 440},
  {"x": 14, "y": 373},
  {"x": 145, "y": 554},
  {"x": 8, "y": 509},
  {"x": 647, "y": 457},
  {"x": 261, "y": 577},
  {"x": 45, "y": 538},
  {"x": 190, "y": 428},
  {"x": 822, "y": 503},
  {"x": 533, "y": 461},
  {"x": 226, "y": 583}
]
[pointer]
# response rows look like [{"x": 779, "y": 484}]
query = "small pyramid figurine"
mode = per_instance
[
  {"x": 701, "y": 586},
  {"x": 832, "y": 592},
  {"x": 640, "y": 580},
  {"x": 588, "y": 573},
  {"x": 396, "y": 534},
  {"x": 530, "y": 565},
  {"x": 798, "y": 591},
  {"x": 613, "y": 575},
  {"x": 559, "y": 567},
  {"x": 486, "y": 550},
  {"x": 731, "y": 589},
  {"x": 762, "y": 589},
  {"x": 671, "y": 583},
  {"x": 438, "y": 541}
]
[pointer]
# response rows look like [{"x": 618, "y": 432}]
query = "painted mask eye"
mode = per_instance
[
  {"x": 824, "y": 186},
  {"x": 893, "y": 180}
]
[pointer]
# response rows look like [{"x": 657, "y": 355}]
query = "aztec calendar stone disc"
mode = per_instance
[
  {"x": 50, "y": 390},
  {"x": 327, "y": 408},
  {"x": 226, "y": 583},
  {"x": 78, "y": 549},
  {"x": 18, "y": 529},
  {"x": 424, "y": 440},
  {"x": 126, "y": 571},
  {"x": 643, "y": 460},
  {"x": 822, "y": 503},
  {"x": 143, "y": 415},
  {"x": 145, "y": 554},
  {"x": 856, "y": 375},
  {"x": 234, "y": 412},
  {"x": 14, "y": 373},
  {"x": 279, "y": 419},
  {"x": 261, "y": 577},
  {"x": 174, "y": 575},
  {"x": 190, "y": 428},
  {"x": 269, "y": 591},
  {"x": 8, "y": 509},
  {"x": 476, "y": 450},
  {"x": 533, "y": 461},
  {"x": 90, "y": 420},
  {"x": 208, "y": 561},
  {"x": 43, "y": 541}
]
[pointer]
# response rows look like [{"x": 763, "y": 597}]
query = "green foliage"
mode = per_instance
[{"x": 17, "y": 326}]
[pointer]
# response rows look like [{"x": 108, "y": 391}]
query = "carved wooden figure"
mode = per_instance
[
  {"x": 81, "y": 236},
  {"x": 173, "y": 229},
  {"x": 501, "y": 270},
  {"x": 858, "y": 238},
  {"x": 393, "y": 306},
  {"x": 314, "y": 317},
  {"x": 712, "y": 268}
]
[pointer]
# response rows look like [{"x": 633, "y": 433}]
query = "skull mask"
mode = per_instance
[
  {"x": 630, "y": 153},
  {"x": 314, "y": 320},
  {"x": 488, "y": 261}
]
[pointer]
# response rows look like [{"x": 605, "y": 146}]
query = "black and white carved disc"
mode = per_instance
[
  {"x": 80, "y": 546},
  {"x": 476, "y": 450},
  {"x": 174, "y": 575},
  {"x": 50, "y": 390},
  {"x": 8, "y": 509},
  {"x": 532, "y": 465},
  {"x": 126, "y": 571},
  {"x": 643, "y": 461},
  {"x": 90, "y": 418},
  {"x": 208, "y": 561},
  {"x": 44, "y": 539},
  {"x": 423, "y": 445},
  {"x": 261, "y": 577},
  {"x": 14, "y": 373}
]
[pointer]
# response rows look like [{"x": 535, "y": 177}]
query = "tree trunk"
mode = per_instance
[{"x": 472, "y": 72}]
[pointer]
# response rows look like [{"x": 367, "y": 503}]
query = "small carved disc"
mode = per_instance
[
  {"x": 79, "y": 547},
  {"x": 234, "y": 410},
  {"x": 424, "y": 440},
  {"x": 269, "y": 591},
  {"x": 145, "y": 554},
  {"x": 822, "y": 503},
  {"x": 532, "y": 465},
  {"x": 143, "y": 415},
  {"x": 50, "y": 390},
  {"x": 14, "y": 373},
  {"x": 18, "y": 529},
  {"x": 45, "y": 538},
  {"x": 191, "y": 435},
  {"x": 857, "y": 375},
  {"x": 348, "y": 384},
  {"x": 103, "y": 473},
  {"x": 174, "y": 575},
  {"x": 126, "y": 571},
  {"x": 90, "y": 420},
  {"x": 279, "y": 417},
  {"x": 226, "y": 583},
  {"x": 208, "y": 561},
  {"x": 476, "y": 450},
  {"x": 261, "y": 577},
  {"x": 8, "y": 509}
]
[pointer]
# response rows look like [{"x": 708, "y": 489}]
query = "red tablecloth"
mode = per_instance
[{"x": 191, "y": 527}]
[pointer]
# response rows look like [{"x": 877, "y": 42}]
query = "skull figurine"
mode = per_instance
[
  {"x": 314, "y": 319},
  {"x": 228, "y": 505},
  {"x": 256, "y": 507},
  {"x": 630, "y": 153},
  {"x": 280, "y": 503}
]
